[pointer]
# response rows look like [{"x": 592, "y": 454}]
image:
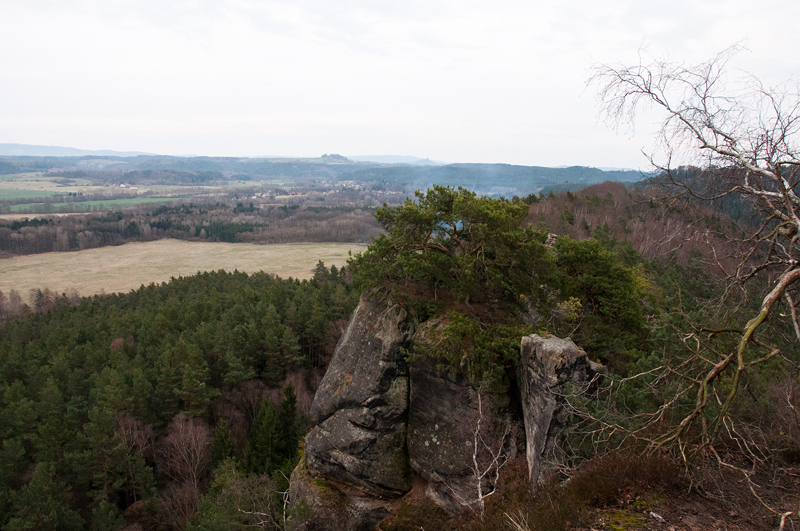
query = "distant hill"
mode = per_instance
[
  {"x": 493, "y": 179},
  {"x": 396, "y": 159},
  {"x": 25, "y": 150},
  {"x": 379, "y": 172}
]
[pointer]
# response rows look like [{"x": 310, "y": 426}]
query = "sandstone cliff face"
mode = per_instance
[
  {"x": 379, "y": 421},
  {"x": 361, "y": 406},
  {"x": 443, "y": 411},
  {"x": 358, "y": 447},
  {"x": 547, "y": 365},
  {"x": 320, "y": 504}
]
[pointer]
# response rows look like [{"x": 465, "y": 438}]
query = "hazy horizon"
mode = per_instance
[
  {"x": 468, "y": 82},
  {"x": 5, "y": 151}
]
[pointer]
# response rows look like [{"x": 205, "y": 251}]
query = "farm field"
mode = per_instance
[
  {"x": 36, "y": 187},
  {"x": 99, "y": 205},
  {"x": 126, "y": 267},
  {"x": 33, "y": 195},
  {"x": 39, "y": 216},
  {"x": 47, "y": 183}
]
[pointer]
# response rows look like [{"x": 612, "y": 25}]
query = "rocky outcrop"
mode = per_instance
[
  {"x": 380, "y": 419},
  {"x": 547, "y": 365},
  {"x": 355, "y": 458},
  {"x": 443, "y": 411},
  {"x": 320, "y": 504},
  {"x": 361, "y": 406}
]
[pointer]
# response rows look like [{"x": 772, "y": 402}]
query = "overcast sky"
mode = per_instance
[{"x": 456, "y": 81}]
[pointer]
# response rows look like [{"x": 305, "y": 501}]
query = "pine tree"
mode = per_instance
[
  {"x": 288, "y": 431},
  {"x": 290, "y": 348},
  {"x": 194, "y": 390},
  {"x": 261, "y": 452},
  {"x": 44, "y": 503},
  {"x": 320, "y": 272},
  {"x": 223, "y": 447}
]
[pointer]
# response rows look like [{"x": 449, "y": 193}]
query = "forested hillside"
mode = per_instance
[
  {"x": 486, "y": 179},
  {"x": 493, "y": 179},
  {"x": 655, "y": 225},
  {"x": 102, "y": 400}
]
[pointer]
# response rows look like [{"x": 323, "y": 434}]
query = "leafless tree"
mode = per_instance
[
  {"x": 492, "y": 443},
  {"x": 490, "y": 453},
  {"x": 135, "y": 434},
  {"x": 178, "y": 505},
  {"x": 741, "y": 136},
  {"x": 186, "y": 450},
  {"x": 259, "y": 504},
  {"x": 745, "y": 141}
]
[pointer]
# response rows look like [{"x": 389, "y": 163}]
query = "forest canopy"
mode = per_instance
[{"x": 103, "y": 400}]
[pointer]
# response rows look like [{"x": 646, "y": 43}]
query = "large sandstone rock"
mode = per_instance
[
  {"x": 443, "y": 412},
  {"x": 361, "y": 406},
  {"x": 547, "y": 366},
  {"x": 379, "y": 421},
  {"x": 320, "y": 504}
]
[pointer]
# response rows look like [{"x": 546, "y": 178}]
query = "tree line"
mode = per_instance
[{"x": 216, "y": 222}]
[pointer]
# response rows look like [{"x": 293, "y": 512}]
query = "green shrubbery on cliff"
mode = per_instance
[
  {"x": 475, "y": 256},
  {"x": 474, "y": 248}
]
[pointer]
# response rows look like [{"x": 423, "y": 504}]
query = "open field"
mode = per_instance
[
  {"x": 14, "y": 176},
  {"x": 126, "y": 267},
  {"x": 46, "y": 183},
  {"x": 10, "y": 194},
  {"x": 99, "y": 205},
  {"x": 37, "y": 185},
  {"x": 38, "y": 216}
]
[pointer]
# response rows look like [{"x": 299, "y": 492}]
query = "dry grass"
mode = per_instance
[
  {"x": 13, "y": 217},
  {"x": 45, "y": 183},
  {"x": 126, "y": 267}
]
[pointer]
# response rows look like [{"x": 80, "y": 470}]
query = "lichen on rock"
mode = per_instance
[
  {"x": 381, "y": 419},
  {"x": 361, "y": 406}
]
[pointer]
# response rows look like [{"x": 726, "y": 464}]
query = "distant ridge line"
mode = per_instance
[{"x": 26, "y": 150}]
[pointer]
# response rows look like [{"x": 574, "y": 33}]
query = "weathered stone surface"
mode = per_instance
[
  {"x": 443, "y": 413},
  {"x": 326, "y": 505},
  {"x": 361, "y": 406},
  {"x": 377, "y": 419},
  {"x": 439, "y": 442},
  {"x": 367, "y": 357},
  {"x": 547, "y": 365}
]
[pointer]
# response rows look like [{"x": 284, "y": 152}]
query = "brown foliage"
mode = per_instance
[
  {"x": 238, "y": 422},
  {"x": 303, "y": 391},
  {"x": 611, "y": 480},
  {"x": 178, "y": 505},
  {"x": 135, "y": 434},
  {"x": 185, "y": 453},
  {"x": 646, "y": 218}
]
